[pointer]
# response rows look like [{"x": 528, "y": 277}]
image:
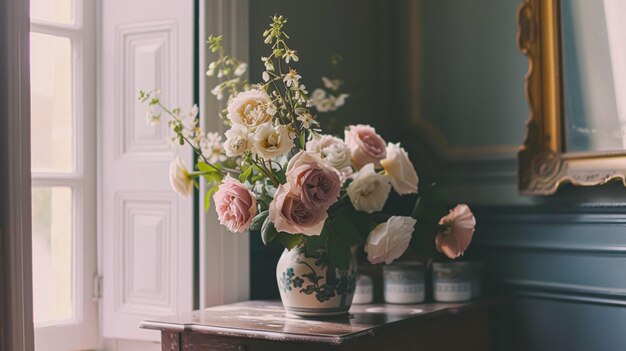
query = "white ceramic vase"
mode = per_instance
[{"x": 311, "y": 287}]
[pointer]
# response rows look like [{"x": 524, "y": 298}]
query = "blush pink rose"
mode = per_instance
[
  {"x": 290, "y": 215},
  {"x": 366, "y": 146},
  {"x": 316, "y": 184},
  {"x": 456, "y": 238},
  {"x": 235, "y": 205}
]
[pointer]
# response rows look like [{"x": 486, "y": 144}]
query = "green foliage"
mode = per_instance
[
  {"x": 268, "y": 231},
  {"x": 215, "y": 43},
  {"x": 259, "y": 220},
  {"x": 314, "y": 243},
  {"x": 211, "y": 173},
  {"x": 340, "y": 233},
  {"x": 281, "y": 176},
  {"x": 339, "y": 250},
  {"x": 289, "y": 241},
  {"x": 208, "y": 195},
  {"x": 428, "y": 209},
  {"x": 245, "y": 175}
]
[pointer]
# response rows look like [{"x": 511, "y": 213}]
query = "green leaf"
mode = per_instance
[
  {"x": 245, "y": 175},
  {"x": 205, "y": 167},
  {"x": 302, "y": 140},
  {"x": 257, "y": 177},
  {"x": 418, "y": 208},
  {"x": 289, "y": 241},
  {"x": 313, "y": 243},
  {"x": 363, "y": 222},
  {"x": 259, "y": 220},
  {"x": 280, "y": 175},
  {"x": 207, "y": 196},
  {"x": 214, "y": 177},
  {"x": 346, "y": 229},
  {"x": 268, "y": 231},
  {"x": 339, "y": 251}
]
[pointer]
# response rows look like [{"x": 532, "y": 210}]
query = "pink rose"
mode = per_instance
[
  {"x": 366, "y": 146},
  {"x": 290, "y": 215},
  {"x": 235, "y": 205},
  {"x": 454, "y": 241},
  {"x": 316, "y": 184}
]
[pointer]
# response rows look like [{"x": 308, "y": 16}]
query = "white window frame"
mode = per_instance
[{"x": 80, "y": 332}]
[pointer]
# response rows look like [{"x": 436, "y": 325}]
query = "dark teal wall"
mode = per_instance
[{"x": 563, "y": 256}]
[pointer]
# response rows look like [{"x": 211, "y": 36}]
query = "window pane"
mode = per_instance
[
  {"x": 52, "y": 253},
  {"x": 51, "y": 103},
  {"x": 59, "y": 11}
]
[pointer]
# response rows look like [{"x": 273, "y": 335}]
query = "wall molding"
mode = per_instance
[
  {"x": 572, "y": 298},
  {"x": 565, "y": 288},
  {"x": 547, "y": 215}
]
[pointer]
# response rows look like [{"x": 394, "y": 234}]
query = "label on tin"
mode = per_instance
[
  {"x": 452, "y": 291},
  {"x": 404, "y": 293}
]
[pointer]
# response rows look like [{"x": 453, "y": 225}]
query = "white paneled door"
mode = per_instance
[{"x": 145, "y": 229}]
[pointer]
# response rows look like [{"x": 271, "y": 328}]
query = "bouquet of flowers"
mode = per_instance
[{"x": 278, "y": 173}]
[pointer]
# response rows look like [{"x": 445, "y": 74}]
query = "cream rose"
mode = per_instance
[
  {"x": 179, "y": 178},
  {"x": 237, "y": 141},
  {"x": 338, "y": 156},
  {"x": 271, "y": 142},
  {"x": 369, "y": 190},
  {"x": 322, "y": 142},
  {"x": 399, "y": 168},
  {"x": 251, "y": 108},
  {"x": 389, "y": 240},
  {"x": 334, "y": 152},
  {"x": 366, "y": 146},
  {"x": 456, "y": 238}
]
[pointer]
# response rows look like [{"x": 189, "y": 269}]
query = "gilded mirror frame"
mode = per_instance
[{"x": 543, "y": 164}]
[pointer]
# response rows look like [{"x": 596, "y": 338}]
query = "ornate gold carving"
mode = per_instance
[{"x": 542, "y": 159}]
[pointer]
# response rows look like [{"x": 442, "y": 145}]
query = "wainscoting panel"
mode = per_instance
[
  {"x": 552, "y": 324},
  {"x": 567, "y": 270}
]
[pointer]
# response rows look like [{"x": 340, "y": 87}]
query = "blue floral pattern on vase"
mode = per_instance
[{"x": 312, "y": 274}]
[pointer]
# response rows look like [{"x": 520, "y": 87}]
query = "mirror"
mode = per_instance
[
  {"x": 576, "y": 89},
  {"x": 593, "y": 41}
]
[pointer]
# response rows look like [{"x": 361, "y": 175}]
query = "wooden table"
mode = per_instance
[{"x": 264, "y": 325}]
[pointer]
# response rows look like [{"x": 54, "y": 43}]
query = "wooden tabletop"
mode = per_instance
[{"x": 268, "y": 320}]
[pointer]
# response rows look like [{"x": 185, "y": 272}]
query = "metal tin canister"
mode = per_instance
[
  {"x": 404, "y": 282},
  {"x": 456, "y": 281},
  {"x": 364, "y": 291}
]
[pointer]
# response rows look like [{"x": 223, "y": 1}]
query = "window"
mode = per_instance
[{"x": 62, "y": 58}]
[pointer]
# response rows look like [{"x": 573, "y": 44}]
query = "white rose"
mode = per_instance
[
  {"x": 237, "y": 141},
  {"x": 333, "y": 150},
  {"x": 251, "y": 108},
  {"x": 338, "y": 156},
  {"x": 179, "y": 178},
  {"x": 271, "y": 142},
  {"x": 398, "y": 166},
  {"x": 389, "y": 240},
  {"x": 321, "y": 142},
  {"x": 369, "y": 190}
]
